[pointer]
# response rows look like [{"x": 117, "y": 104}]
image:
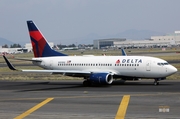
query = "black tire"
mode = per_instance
[
  {"x": 155, "y": 83},
  {"x": 86, "y": 83}
]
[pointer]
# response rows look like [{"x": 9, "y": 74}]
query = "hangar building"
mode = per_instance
[
  {"x": 168, "y": 40},
  {"x": 102, "y": 43}
]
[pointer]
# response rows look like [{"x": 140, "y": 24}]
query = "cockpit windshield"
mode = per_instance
[{"x": 162, "y": 64}]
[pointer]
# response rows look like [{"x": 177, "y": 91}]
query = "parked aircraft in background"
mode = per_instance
[
  {"x": 70, "y": 48},
  {"x": 94, "y": 69}
]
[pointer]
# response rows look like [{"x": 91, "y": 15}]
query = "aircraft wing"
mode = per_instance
[{"x": 63, "y": 72}]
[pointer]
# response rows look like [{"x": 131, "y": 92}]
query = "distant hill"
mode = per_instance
[{"x": 4, "y": 41}]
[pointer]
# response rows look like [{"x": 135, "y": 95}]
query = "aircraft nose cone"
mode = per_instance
[{"x": 173, "y": 70}]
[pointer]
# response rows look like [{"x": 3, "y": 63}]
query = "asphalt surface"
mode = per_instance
[{"x": 71, "y": 100}]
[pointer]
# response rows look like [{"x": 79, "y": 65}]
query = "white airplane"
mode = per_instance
[{"x": 94, "y": 69}]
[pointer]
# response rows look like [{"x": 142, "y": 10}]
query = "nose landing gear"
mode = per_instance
[{"x": 156, "y": 82}]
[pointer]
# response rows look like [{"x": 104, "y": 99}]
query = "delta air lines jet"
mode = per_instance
[{"x": 94, "y": 69}]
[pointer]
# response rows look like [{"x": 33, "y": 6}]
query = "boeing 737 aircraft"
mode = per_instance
[{"x": 94, "y": 69}]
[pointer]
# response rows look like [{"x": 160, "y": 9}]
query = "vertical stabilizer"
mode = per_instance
[
  {"x": 123, "y": 52},
  {"x": 40, "y": 46}
]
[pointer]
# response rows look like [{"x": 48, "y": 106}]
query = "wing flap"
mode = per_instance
[
  {"x": 56, "y": 71},
  {"x": 63, "y": 72},
  {"x": 77, "y": 73}
]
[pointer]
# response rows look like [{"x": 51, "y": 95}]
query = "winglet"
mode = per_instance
[
  {"x": 123, "y": 52},
  {"x": 8, "y": 63}
]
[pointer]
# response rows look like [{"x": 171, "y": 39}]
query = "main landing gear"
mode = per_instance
[
  {"x": 156, "y": 82},
  {"x": 87, "y": 83}
]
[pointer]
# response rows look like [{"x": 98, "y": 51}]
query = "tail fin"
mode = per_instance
[
  {"x": 123, "y": 52},
  {"x": 40, "y": 46}
]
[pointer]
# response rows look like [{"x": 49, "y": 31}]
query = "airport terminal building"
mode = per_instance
[
  {"x": 168, "y": 40},
  {"x": 103, "y": 43}
]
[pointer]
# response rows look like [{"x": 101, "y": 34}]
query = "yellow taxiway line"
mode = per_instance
[
  {"x": 123, "y": 107},
  {"x": 33, "y": 108}
]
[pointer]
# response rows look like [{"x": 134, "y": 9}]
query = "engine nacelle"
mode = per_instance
[{"x": 101, "y": 78}]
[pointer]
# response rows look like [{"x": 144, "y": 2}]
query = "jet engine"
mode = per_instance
[{"x": 101, "y": 78}]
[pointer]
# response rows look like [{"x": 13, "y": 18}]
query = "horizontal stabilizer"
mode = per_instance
[{"x": 32, "y": 60}]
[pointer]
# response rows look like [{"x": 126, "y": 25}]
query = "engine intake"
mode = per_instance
[{"x": 101, "y": 78}]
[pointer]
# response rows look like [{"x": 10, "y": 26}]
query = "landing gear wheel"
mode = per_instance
[
  {"x": 86, "y": 83},
  {"x": 156, "y": 83}
]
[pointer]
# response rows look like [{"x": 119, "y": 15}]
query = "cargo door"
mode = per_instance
[{"x": 51, "y": 64}]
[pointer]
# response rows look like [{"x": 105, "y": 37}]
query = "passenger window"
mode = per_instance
[{"x": 165, "y": 63}]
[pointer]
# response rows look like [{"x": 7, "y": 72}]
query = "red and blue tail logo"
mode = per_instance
[{"x": 39, "y": 44}]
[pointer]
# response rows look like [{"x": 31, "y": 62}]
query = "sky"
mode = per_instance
[{"x": 66, "y": 21}]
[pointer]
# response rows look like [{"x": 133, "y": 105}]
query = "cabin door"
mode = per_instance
[{"x": 148, "y": 65}]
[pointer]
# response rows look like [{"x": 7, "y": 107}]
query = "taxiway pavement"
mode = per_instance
[{"x": 70, "y": 99}]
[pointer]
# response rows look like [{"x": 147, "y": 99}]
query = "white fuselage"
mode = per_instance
[{"x": 130, "y": 66}]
